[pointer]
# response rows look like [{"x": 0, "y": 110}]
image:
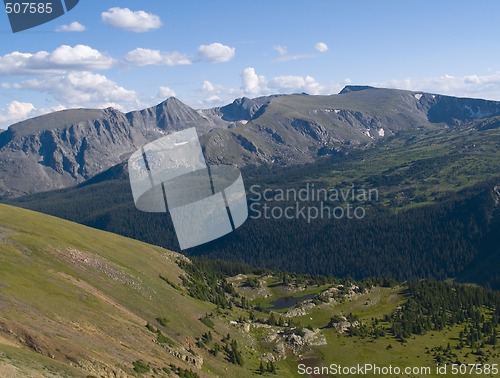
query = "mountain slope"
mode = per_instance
[
  {"x": 67, "y": 147},
  {"x": 298, "y": 128},
  {"x": 77, "y": 300}
]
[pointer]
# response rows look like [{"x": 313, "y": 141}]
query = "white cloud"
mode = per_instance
[
  {"x": 208, "y": 87},
  {"x": 216, "y": 52},
  {"x": 212, "y": 94},
  {"x": 73, "y": 27},
  {"x": 296, "y": 84},
  {"x": 282, "y": 50},
  {"x": 148, "y": 57},
  {"x": 79, "y": 57},
  {"x": 19, "y": 111},
  {"x": 81, "y": 89},
  {"x": 482, "y": 86},
  {"x": 136, "y": 21},
  {"x": 166, "y": 92},
  {"x": 253, "y": 84},
  {"x": 321, "y": 47},
  {"x": 257, "y": 85},
  {"x": 144, "y": 57},
  {"x": 15, "y": 112}
]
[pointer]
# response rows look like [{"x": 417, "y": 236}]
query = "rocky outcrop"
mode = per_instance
[{"x": 184, "y": 355}]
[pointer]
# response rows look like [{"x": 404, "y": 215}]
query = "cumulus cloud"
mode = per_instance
[
  {"x": 73, "y": 27},
  {"x": 211, "y": 94},
  {"x": 483, "y": 86},
  {"x": 256, "y": 85},
  {"x": 79, "y": 57},
  {"x": 16, "y": 111},
  {"x": 321, "y": 47},
  {"x": 136, "y": 21},
  {"x": 166, "y": 92},
  {"x": 81, "y": 89},
  {"x": 296, "y": 84},
  {"x": 208, "y": 87},
  {"x": 148, "y": 57},
  {"x": 253, "y": 84},
  {"x": 216, "y": 52},
  {"x": 282, "y": 50}
]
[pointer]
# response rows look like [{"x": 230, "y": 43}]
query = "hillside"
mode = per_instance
[{"x": 78, "y": 302}]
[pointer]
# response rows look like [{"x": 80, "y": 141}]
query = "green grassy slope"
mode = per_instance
[{"x": 75, "y": 301}]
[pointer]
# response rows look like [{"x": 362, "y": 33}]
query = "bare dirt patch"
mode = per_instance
[{"x": 392, "y": 298}]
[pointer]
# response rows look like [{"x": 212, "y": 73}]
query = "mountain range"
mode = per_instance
[{"x": 66, "y": 148}]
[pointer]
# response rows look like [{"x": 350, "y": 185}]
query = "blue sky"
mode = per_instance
[{"x": 134, "y": 54}]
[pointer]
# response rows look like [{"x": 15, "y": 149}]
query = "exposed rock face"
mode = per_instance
[
  {"x": 314, "y": 338},
  {"x": 300, "y": 310},
  {"x": 184, "y": 355},
  {"x": 68, "y": 147},
  {"x": 280, "y": 351},
  {"x": 268, "y": 357}
]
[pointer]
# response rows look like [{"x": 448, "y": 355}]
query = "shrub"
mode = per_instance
[
  {"x": 141, "y": 367},
  {"x": 207, "y": 321},
  {"x": 163, "y": 321}
]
